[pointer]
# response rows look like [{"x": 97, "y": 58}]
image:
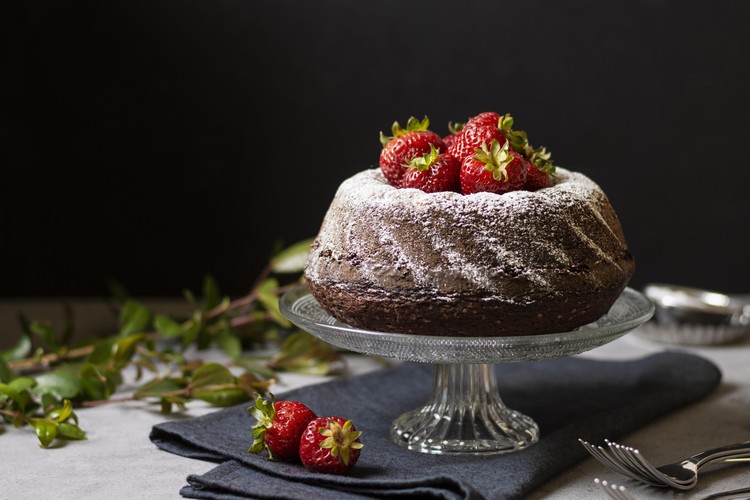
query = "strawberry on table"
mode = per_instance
[
  {"x": 330, "y": 445},
  {"x": 279, "y": 426},
  {"x": 406, "y": 143},
  {"x": 496, "y": 169},
  {"x": 433, "y": 172}
]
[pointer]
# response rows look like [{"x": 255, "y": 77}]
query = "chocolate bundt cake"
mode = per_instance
[{"x": 520, "y": 263}]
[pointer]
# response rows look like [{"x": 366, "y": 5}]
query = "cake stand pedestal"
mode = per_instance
[{"x": 465, "y": 414}]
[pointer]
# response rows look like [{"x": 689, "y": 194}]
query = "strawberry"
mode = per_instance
[
  {"x": 539, "y": 167},
  {"x": 486, "y": 119},
  {"x": 455, "y": 130},
  {"x": 472, "y": 138},
  {"x": 279, "y": 427},
  {"x": 433, "y": 172},
  {"x": 330, "y": 445},
  {"x": 405, "y": 144},
  {"x": 496, "y": 169},
  {"x": 536, "y": 178}
]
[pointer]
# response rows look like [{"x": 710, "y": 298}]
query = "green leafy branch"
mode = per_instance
[{"x": 43, "y": 377}]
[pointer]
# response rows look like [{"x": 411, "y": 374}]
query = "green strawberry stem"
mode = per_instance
[
  {"x": 424, "y": 162},
  {"x": 496, "y": 159},
  {"x": 340, "y": 439},
  {"x": 264, "y": 412},
  {"x": 519, "y": 141},
  {"x": 412, "y": 125},
  {"x": 455, "y": 127}
]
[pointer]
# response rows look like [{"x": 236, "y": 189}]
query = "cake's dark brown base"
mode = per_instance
[{"x": 465, "y": 316}]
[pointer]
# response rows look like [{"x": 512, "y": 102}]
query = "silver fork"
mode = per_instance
[
  {"x": 681, "y": 475},
  {"x": 621, "y": 492}
]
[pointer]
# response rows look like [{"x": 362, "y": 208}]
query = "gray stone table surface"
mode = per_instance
[{"x": 118, "y": 461}]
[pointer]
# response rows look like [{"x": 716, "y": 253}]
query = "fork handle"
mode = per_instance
[{"x": 737, "y": 449}]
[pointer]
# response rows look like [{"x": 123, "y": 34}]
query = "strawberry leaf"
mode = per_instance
[
  {"x": 412, "y": 125},
  {"x": 424, "y": 162},
  {"x": 496, "y": 159},
  {"x": 455, "y": 127}
]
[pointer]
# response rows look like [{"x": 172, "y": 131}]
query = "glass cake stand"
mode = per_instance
[{"x": 465, "y": 414}]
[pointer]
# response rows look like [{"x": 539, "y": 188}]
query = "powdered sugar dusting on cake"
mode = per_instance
[{"x": 500, "y": 245}]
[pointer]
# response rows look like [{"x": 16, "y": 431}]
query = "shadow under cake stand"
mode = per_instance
[{"x": 465, "y": 414}]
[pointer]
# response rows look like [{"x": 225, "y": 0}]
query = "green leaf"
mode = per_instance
[
  {"x": 303, "y": 353},
  {"x": 168, "y": 401},
  {"x": 62, "y": 384},
  {"x": 189, "y": 297},
  {"x": 158, "y": 387},
  {"x": 193, "y": 330},
  {"x": 124, "y": 348},
  {"x": 46, "y": 430},
  {"x": 134, "y": 318},
  {"x": 255, "y": 366},
  {"x": 225, "y": 396},
  {"x": 70, "y": 431},
  {"x": 102, "y": 353},
  {"x": 211, "y": 374},
  {"x": 229, "y": 343},
  {"x": 167, "y": 327},
  {"x": 6, "y": 374},
  {"x": 95, "y": 383},
  {"x": 7, "y": 391},
  {"x": 20, "y": 384},
  {"x": 270, "y": 301},
  {"x": 48, "y": 399},
  {"x": 211, "y": 294},
  {"x": 292, "y": 259},
  {"x": 44, "y": 330},
  {"x": 21, "y": 349},
  {"x": 61, "y": 414}
]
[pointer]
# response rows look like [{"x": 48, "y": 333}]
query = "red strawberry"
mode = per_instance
[
  {"x": 495, "y": 169},
  {"x": 540, "y": 169},
  {"x": 279, "y": 427},
  {"x": 405, "y": 144},
  {"x": 330, "y": 445},
  {"x": 433, "y": 172},
  {"x": 486, "y": 119},
  {"x": 454, "y": 129},
  {"x": 535, "y": 178},
  {"x": 472, "y": 138}
]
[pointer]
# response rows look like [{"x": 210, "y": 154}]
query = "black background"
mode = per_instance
[{"x": 153, "y": 142}]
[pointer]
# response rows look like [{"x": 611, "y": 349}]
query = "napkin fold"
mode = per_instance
[{"x": 569, "y": 398}]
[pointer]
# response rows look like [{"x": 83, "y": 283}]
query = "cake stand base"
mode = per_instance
[{"x": 465, "y": 415}]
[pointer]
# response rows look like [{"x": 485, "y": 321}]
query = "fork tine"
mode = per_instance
[
  {"x": 605, "y": 459},
  {"x": 598, "y": 453},
  {"x": 627, "y": 457},
  {"x": 614, "y": 491},
  {"x": 664, "y": 479}
]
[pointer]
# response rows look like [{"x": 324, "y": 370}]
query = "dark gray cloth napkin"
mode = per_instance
[{"x": 569, "y": 398}]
